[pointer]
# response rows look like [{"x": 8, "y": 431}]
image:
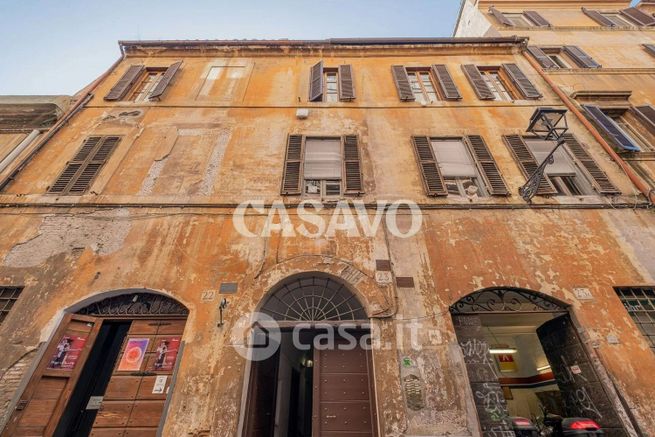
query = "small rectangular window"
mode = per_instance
[
  {"x": 457, "y": 167},
  {"x": 640, "y": 304},
  {"x": 518, "y": 20},
  {"x": 322, "y": 168},
  {"x": 422, "y": 86},
  {"x": 492, "y": 76},
  {"x": 146, "y": 85},
  {"x": 563, "y": 173},
  {"x": 8, "y": 298},
  {"x": 331, "y": 92}
]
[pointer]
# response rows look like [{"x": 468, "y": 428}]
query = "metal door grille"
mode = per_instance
[
  {"x": 313, "y": 299},
  {"x": 640, "y": 303},
  {"x": 8, "y": 297}
]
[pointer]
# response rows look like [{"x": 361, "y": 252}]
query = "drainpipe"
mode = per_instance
[
  {"x": 19, "y": 149},
  {"x": 85, "y": 96},
  {"x": 645, "y": 189}
]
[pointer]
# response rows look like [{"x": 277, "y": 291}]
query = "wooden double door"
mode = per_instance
[
  {"x": 100, "y": 377},
  {"x": 342, "y": 396}
]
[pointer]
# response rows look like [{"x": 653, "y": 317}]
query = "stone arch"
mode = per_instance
[{"x": 376, "y": 299}]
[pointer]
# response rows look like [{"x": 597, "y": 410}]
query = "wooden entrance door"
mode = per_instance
[
  {"x": 582, "y": 390},
  {"x": 45, "y": 397},
  {"x": 134, "y": 400},
  {"x": 344, "y": 400}
]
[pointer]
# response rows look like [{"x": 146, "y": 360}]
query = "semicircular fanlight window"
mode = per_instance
[{"x": 313, "y": 299}]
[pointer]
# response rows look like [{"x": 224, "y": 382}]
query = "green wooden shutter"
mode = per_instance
[
  {"x": 125, "y": 83},
  {"x": 596, "y": 176},
  {"x": 527, "y": 162},
  {"x": 292, "y": 176},
  {"x": 427, "y": 162},
  {"x": 352, "y": 165},
  {"x": 487, "y": 166},
  {"x": 521, "y": 81}
]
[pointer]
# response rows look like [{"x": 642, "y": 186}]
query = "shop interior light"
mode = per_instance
[{"x": 502, "y": 349}]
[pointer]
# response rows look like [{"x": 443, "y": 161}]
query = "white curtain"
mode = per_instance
[{"x": 323, "y": 158}]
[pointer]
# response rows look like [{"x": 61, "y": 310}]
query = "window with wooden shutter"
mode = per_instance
[
  {"x": 292, "y": 176},
  {"x": 165, "y": 81},
  {"x": 650, "y": 48},
  {"x": 598, "y": 17},
  {"x": 521, "y": 82},
  {"x": 125, "y": 83},
  {"x": 80, "y": 172},
  {"x": 537, "y": 18},
  {"x": 402, "y": 83},
  {"x": 610, "y": 129},
  {"x": 346, "y": 83},
  {"x": 580, "y": 57},
  {"x": 316, "y": 83},
  {"x": 432, "y": 179},
  {"x": 527, "y": 162},
  {"x": 487, "y": 166},
  {"x": 500, "y": 17},
  {"x": 639, "y": 17},
  {"x": 447, "y": 85},
  {"x": 352, "y": 165},
  {"x": 646, "y": 114},
  {"x": 595, "y": 175},
  {"x": 542, "y": 57},
  {"x": 478, "y": 83}
]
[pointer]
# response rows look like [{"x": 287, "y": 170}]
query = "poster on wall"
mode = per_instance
[
  {"x": 166, "y": 354},
  {"x": 67, "y": 352},
  {"x": 135, "y": 352},
  {"x": 507, "y": 364}
]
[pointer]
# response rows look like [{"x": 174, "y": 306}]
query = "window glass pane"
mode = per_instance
[
  {"x": 563, "y": 166},
  {"x": 454, "y": 159},
  {"x": 322, "y": 158},
  {"x": 518, "y": 20}
]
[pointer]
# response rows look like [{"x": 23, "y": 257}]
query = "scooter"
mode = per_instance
[{"x": 559, "y": 426}]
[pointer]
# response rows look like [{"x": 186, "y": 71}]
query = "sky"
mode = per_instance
[{"x": 59, "y": 46}]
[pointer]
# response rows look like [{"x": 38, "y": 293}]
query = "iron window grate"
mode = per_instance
[
  {"x": 640, "y": 304},
  {"x": 8, "y": 298}
]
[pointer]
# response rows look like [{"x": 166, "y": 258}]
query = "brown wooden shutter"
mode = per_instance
[
  {"x": 596, "y": 176},
  {"x": 352, "y": 165},
  {"x": 598, "y": 17},
  {"x": 432, "y": 178},
  {"x": 487, "y": 166},
  {"x": 537, "y": 18},
  {"x": 292, "y": 177},
  {"x": 125, "y": 83},
  {"x": 647, "y": 115},
  {"x": 402, "y": 83},
  {"x": 346, "y": 83},
  {"x": 165, "y": 80},
  {"x": 80, "y": 172},
  {"x": 650, "y": 48},
  {"x": 316, "y": 83},
  {"x": 477, "y": 82},
  {"x": 581, "y": 57},
  {"x": 521, "y": 81},
  {"x": 446, "y": 82},
  {"x": 639, "y": 17},
  {"x": 501, "y": 17},
  {"x": 541, "y": 57},
  {"x": 527, "y": 162}
]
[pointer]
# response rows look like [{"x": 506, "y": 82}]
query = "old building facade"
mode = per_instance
[{"x": 130, "y": 268}]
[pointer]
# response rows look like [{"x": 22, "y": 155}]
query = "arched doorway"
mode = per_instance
[
  {"x": 524, "y": 357},
  {"x": 320, "y": 380},
  {"x": 107, "y": 370}
]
